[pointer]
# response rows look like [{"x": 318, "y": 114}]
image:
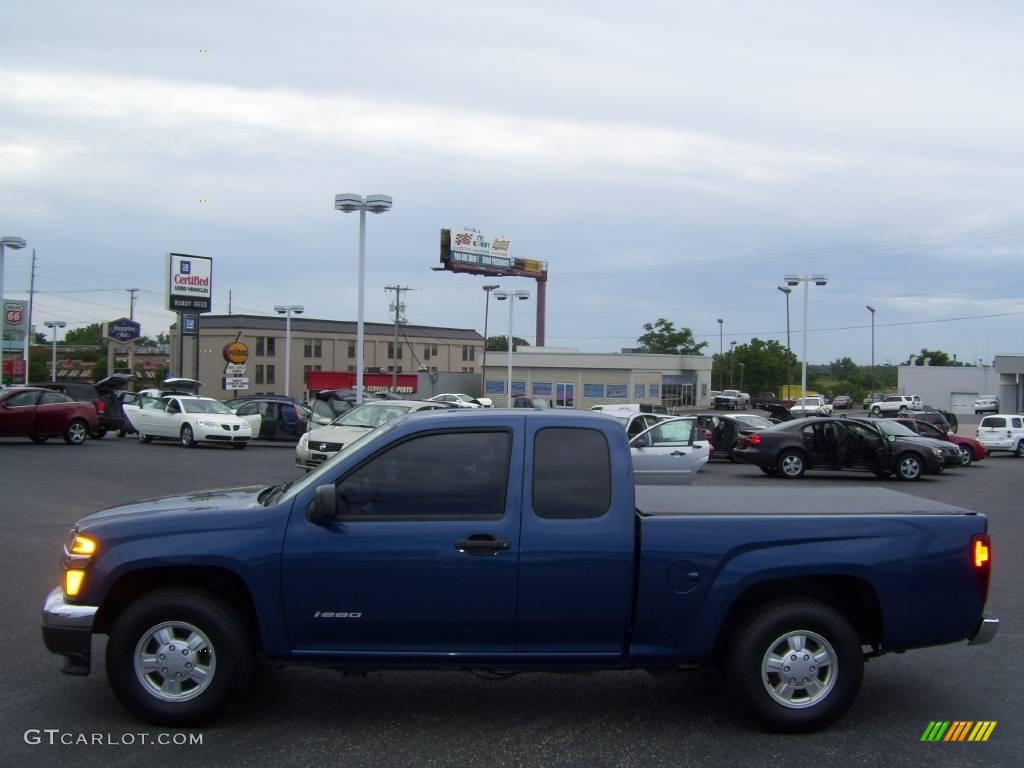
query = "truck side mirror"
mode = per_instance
[{"x": 324, "y": 507}]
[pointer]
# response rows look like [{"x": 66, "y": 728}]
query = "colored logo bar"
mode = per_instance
[{"x": 959, "y": 730}]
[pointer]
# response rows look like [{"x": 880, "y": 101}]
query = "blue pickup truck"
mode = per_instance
[{"x": 514, "y": 540}]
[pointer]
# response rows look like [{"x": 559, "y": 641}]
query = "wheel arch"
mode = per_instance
[
  {"x": 220, "y": 583},
  {"x": 854, "y": 597}
]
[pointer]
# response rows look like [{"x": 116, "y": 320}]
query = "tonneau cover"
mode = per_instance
[{"x": 729, "y": 500}]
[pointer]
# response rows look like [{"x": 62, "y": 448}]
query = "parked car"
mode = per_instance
[
  {"x": 461, "y": 400},
  {"x": 790, "y": 449},
  {"x": 723, "y": 431},
  {"x": 934, "y": 417},
  {"x": 189, "y": 419},
  {"x": 842, "y": 402},
  {"x": 814, "y": 405},
  {"x": 318, "y": 445},
  {"x": 488, "y": 540},
  {"x": 986, "y": 404},
  {"x": 1002, "y": 432},
  {"x": 871, "y": 398},
  {"x": 949, "y": 416},
  {"x": 634, "y": 421},
  {"x": 40, "y": 414},
  {"x": 731, "y": 399},
  {"x": 82, "y": 392},
  {"x": 970, "y": 449},
  {"x": 890, "y": 404},
  {"x": 763, "y": 399},
  {"x": 778, "y": 412},
  {"x": 536, "y": 403},
  {"x": 110, "y": 390},
  {"x": 272, "y": 417},
  {"x": 951, "y": 456},
  {"x": 670, "y": 452}
]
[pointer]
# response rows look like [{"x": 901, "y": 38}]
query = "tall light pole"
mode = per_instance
[
  {"x": 742, "y": 366},
  {"x": 54, "y": 325},
  {"x": 732, "y": 363},
  {"x": 789, "y": 365},
  {"x": 14, "y": 243},
  {"x": 872, "y": 311},
  {"x": 347, "y": 202},
  {"x": 509, "y": 296},
  {"x": 487, "y": 308},
  {"x": 792, "y": 281},
  {"x": 721, "y": 356},
  {"x": 288, "y": 310}
]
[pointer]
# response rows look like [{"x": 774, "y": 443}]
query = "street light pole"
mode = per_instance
[
  {"x": 789, "y": 349},
  {"x": 721, "y": 357},
  {"x": 509, "y": 296},
  {"x": 872, "y": 311},
  {"x": 287, "y": 310},
  {"x": 347, "y": 202},
  {"x": 55, "y": 326},
  {"x": 794, "y": 280},
  {"x": 732, "y": 363},
  {"x": 742, "y": 365},
  {"x": 487, "y": 309}
]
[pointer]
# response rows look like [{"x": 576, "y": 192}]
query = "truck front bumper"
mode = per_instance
[
  {"x": 988, "y": 627},
  {"x": 67, "y": 632}
]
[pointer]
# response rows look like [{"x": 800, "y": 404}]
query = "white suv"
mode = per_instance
[
  {"x": 895, "y": 404},
  {"x": 1002, "y": 432}
]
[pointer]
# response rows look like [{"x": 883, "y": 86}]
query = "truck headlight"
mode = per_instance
[{"x": 82, "y": 545}]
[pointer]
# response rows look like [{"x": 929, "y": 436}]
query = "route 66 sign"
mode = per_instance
[{"x": 15, "y": 316}]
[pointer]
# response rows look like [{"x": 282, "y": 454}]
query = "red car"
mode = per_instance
[
  {"x": 970, "y": 449},
  {"x": 40, "y": 414}
]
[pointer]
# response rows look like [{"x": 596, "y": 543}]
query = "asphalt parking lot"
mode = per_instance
[{"x": 310, "y": 717}]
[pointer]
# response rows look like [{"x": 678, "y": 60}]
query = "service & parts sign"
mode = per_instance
[{"x": 189, "y": 283}]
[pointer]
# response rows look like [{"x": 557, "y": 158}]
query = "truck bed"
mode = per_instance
[{"x": 661, "y": 500}]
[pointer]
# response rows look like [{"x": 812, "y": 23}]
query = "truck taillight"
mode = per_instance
[
  {"x": 754, "y": 439},
  {"x": 981, "y": 561}
]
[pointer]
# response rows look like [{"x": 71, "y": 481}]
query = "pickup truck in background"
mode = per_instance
[
  {"x": 529, "y": 547},
  {"x": 731, "y": 399}
]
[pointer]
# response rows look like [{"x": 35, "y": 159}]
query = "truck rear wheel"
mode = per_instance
[
  {"x": 178, "y": 657},
  {"x": 797, "y": 665}
]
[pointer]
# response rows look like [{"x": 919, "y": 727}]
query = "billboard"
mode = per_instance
[
  {"x": 122, "y": 330},
  {"x": 467, "y": 250},
  {"x": 189, "y": 283}
]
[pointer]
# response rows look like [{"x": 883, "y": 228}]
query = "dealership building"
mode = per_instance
[
  {"x": 955, "y": 388},
  {"x": 582, "y": 379}
]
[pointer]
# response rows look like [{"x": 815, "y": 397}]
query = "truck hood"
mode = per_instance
[{"x": 197, "y": 503}]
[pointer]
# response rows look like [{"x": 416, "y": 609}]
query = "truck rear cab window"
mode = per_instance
[
  {"x": 440, "y": 476},
  {"x": 572, "y": 475}
]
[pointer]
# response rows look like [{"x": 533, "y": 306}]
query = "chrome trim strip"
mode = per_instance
[
  {"x": 59, "y": 613},
  {"x": 987, "y": 629}
]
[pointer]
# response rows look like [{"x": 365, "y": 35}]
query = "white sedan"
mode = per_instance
[
  {"x": 460, "y": 400},
  {"x": 192, "y": 420}
]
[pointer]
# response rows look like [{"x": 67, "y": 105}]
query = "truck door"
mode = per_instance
[
  {"x": 576, "y": 558},
  {"x": 423, "y": 556}
]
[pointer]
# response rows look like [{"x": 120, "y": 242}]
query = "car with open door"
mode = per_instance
[
  {"x": 40, "y": 414},
  {"x": 273, "y": 417},
  {"x": 670, "y": 452},
  {"x": 188, "y": 419},
  {"x": 725, "y": 430}
]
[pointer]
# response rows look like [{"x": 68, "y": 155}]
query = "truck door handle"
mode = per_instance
[{"x": 482, "y": 544}]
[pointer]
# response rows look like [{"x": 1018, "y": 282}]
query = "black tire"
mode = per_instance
[
  {"x": 38, "y": 439},
  {"x": 791, "y": 465},
  {"x": 188, "y": 439},
  {"x": 966, "y": 455},
  {"x": 99, "y": 434},
  {"x": 875, "y": 413},
  {"x": 239, "y": 446},
  {"x": 827, "y": 634},
  {"x": 1019, "y": 452},
  {"x": 121, "y": 433},
  {"x": 882, "y": 474},
  {"x": 145, "y": 438},
  {"x": 231, "y": 656},
  {"x": 903, "y": 411},
  {"x": 770, "y": 471},
  {"x": 905, "y": 467},
  {"x": 76, "y": 432}
]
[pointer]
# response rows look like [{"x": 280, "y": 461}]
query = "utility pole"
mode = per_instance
[
  {"x": 131, "y": 345},
  {"x": 398, "y": 308},
  {"x": 31, "y": 295},
  {"x": 229, "y": 302}
]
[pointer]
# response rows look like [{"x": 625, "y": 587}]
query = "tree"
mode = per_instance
[
  {"x": 500, "y": 343},
  {"x": 90, "y": 335},
  {"x": 662, "y": 338},
  {"x": 764, "y": 365},
  {"x": 843, "y": 369},
  {"x": 938, "y": 357}
]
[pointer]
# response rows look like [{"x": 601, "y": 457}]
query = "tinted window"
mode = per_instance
[
  {"x": 993, "y": 421},
  {"x": 249, "y": 409},
  {"x": 572, "y": 476},
  {"x": 49, "y": 398},
  {"x": 21, "y": 399},
  {"x": 451, "y": 475},
  {"x": 1016, "y": 423}
]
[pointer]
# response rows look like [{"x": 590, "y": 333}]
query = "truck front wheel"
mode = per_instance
[
  {"x": 178, "y": 657},
  {"x": 797, "y": 665}
]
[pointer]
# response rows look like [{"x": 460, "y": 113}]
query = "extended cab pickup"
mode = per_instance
[{"x": 514, "y": 540}]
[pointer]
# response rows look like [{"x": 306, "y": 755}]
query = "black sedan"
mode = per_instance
[
  {"x": 790, "y": 449},
  {"x": 725, "y": 431}
]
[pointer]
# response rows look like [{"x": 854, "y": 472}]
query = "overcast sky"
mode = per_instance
[{"x": 668, "y": 159}]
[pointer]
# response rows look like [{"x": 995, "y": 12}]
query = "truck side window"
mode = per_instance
[
  {"x": 443, "y": 476},
  {"x": 572, "y": 476}
]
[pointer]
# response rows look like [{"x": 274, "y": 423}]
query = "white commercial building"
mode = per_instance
[{"x": 955, "y": 388}]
